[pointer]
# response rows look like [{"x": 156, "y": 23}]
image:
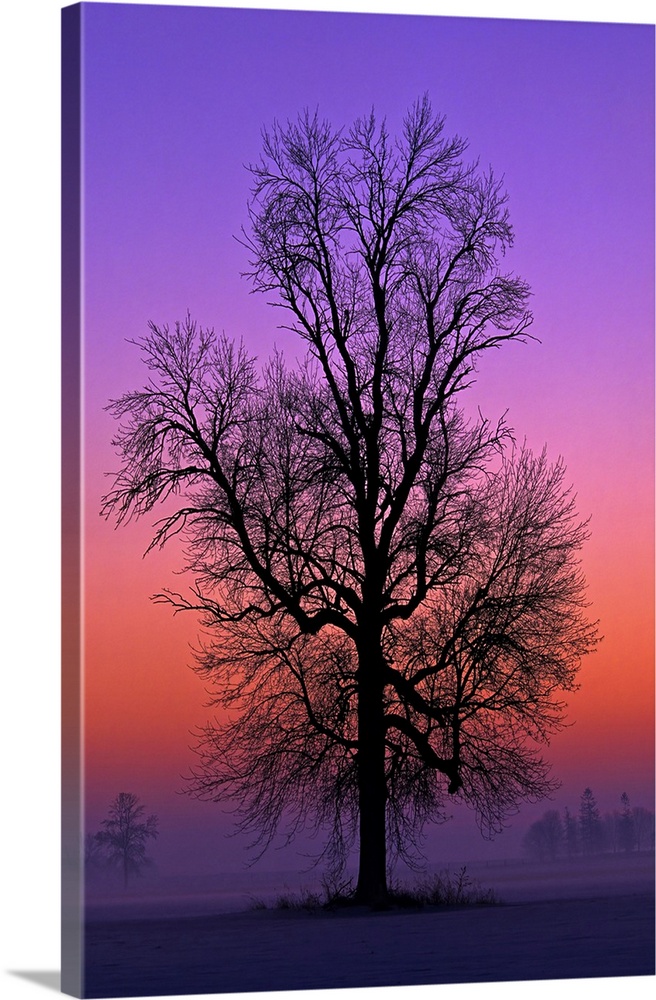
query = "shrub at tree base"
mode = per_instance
[{"x": 443, "y": 889}]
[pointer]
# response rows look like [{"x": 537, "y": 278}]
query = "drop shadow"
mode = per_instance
[{"x": 49, "y": 980}]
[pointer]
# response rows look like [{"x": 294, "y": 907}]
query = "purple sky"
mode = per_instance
[{"x": 174, "y": 103}]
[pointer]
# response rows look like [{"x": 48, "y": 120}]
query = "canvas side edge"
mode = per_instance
[{"x": 72, "y": 949}]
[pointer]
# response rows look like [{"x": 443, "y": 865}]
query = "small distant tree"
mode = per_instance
[
  {"x": 626, "y": 831},
  {"x": 571, "y": 834},
  {"x": 590, "y": 831},
  {"x": 544, "y": 838},
  {"x": 125, "y": 834}
]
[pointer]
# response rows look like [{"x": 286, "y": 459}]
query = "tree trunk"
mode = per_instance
[{"x": 372, "y": 787}]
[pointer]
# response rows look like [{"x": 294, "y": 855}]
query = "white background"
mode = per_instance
[{"x": 29, "y": 475}]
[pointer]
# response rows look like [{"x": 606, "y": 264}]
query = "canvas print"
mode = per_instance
[{"x": 358, "y": 500}]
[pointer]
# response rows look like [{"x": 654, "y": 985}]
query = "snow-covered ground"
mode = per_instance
[{"x": 559, "y": 921}]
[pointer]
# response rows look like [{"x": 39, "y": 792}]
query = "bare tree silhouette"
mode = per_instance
[
  {"x": 390, "y": 589},
  {"x": 125, "y": 834}
]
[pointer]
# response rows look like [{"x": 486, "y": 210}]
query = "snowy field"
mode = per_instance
[{"x": 554, "y": 921}]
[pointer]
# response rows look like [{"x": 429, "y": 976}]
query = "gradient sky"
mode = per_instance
[{"x": 174, "y": 103}]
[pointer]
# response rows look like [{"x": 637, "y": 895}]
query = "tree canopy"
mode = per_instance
[{"x": 390, "y": 587}]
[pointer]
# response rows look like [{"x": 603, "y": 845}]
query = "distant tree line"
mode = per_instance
[{"x": 629, "y": 828}]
